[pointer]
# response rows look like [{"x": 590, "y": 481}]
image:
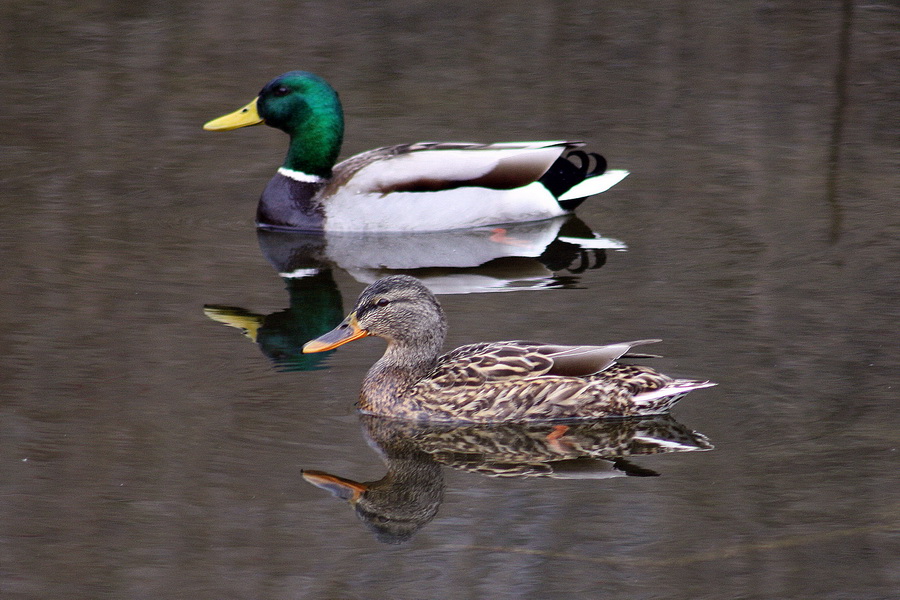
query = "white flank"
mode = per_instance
[
  {"x": 595, "y": 185},
  {"x": 436, "y": 211},
  {"x": 300, "y": 176}
]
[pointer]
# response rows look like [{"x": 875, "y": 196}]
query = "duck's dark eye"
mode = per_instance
[
  {"x": 281, "y": 91},
  {"x": 382, "y": 302}
]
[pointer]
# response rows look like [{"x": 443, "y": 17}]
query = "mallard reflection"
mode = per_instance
[
  {"x": 315, "y": 307},
  {"x": 396, "y": 506},
  {"x": 544, "y": 254}
]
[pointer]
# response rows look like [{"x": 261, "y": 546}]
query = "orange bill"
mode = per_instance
[{"x": 347, "y": 331}]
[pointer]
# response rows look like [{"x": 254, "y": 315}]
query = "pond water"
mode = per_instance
[{"x": 161, "y": 436}]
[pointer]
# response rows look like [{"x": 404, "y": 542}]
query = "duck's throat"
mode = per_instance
[
  {"x": 398, "y": 371},
  {"x": 314, "y": 149},
  {"x": 399, "y": 376}
]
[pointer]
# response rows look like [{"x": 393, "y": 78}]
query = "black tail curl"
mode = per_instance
[{"x": 565, "y": 173}]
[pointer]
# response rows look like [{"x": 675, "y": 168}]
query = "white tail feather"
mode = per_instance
[
  {"x": 595, "y": 185},
  {"x": 668, "y": 444},
  {"x": 677, "y": 388}
]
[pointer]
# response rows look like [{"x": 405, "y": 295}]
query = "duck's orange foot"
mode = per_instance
[
  {"x": 557, "y": 432},
  {"x": 498, "y": 235},
  {"x": 556, "y": 441}
]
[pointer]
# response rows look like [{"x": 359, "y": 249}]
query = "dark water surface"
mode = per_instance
[{"x": 147, "y": 450}]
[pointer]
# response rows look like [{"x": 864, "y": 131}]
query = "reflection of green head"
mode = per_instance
[{"x": 315, "y": 308}]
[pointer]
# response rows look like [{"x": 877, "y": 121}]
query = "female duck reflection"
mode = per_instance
[{"x": 396, "y": 506}]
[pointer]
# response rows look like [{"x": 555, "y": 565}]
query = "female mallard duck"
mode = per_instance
[
  {"x": 413, "y": 187},
  {"x": 489, "y": 382}
]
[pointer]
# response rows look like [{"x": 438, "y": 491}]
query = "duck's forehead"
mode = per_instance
[
  {"x": 393, "y": 287},
  {"x": 278, "y": 82},
  {"x": 370, "y": 293},
  {"x": 296, "y": 79},
  {"x": 378, "y": 291}
]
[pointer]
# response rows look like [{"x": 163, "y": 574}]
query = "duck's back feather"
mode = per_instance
[
  {"x": 437, "y": 186},
  {"x": 517, "y": 381},
  {"x": 475, "y": 364},
  {"x": 437, "y": 166},
  {"x": 433, "y": 186}
]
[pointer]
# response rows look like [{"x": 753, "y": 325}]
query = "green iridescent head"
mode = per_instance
[{"x": 305, "y": 107}]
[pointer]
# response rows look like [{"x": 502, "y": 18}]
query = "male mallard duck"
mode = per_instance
[
  {"x": 426, "y": 186},
  {"x": 494, "y": 381}
]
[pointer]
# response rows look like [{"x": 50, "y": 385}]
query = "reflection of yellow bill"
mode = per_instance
[{"x": 238, "y": 318}]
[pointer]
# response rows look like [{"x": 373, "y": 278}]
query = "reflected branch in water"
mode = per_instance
[
  {"x": 719, "y": 555},
  {"x": 396, "y": 506},
  {"x": 837, "y": 121}
]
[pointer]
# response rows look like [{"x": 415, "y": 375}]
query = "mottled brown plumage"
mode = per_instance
[
  {"x": 408, "y": 496},
  {"x": 490, "y": 382}
]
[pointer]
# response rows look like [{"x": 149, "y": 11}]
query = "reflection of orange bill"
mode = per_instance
[{"x": 345, "y": 489}]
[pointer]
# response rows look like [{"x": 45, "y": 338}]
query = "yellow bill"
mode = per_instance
[{"x": 243, "y": 117}]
